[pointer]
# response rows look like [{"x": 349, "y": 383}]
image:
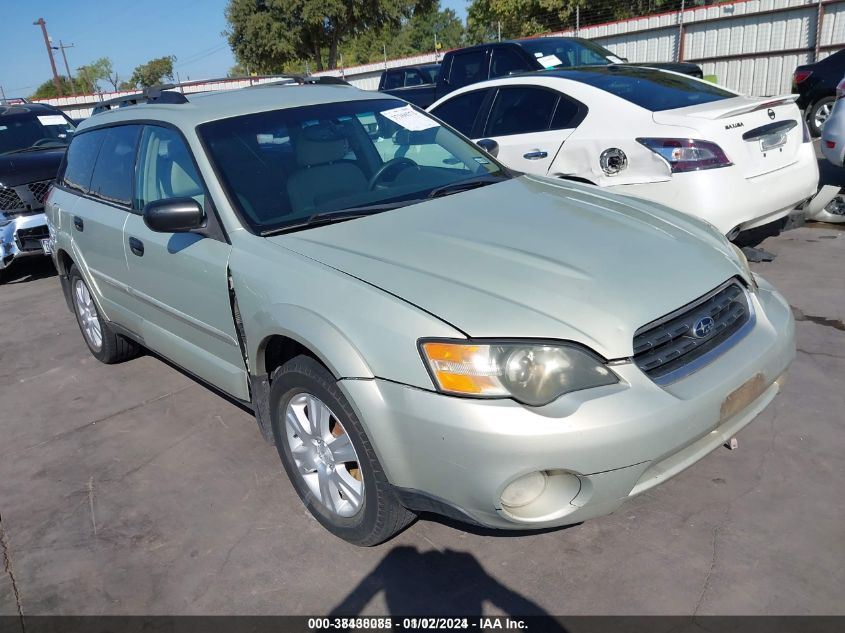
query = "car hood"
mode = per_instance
[
  {"x": 21, "y": 169},
  {"x": 531, "y": 258}
]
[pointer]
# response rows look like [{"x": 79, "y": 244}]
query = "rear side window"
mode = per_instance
[
  {"x": 521, "y": 110},
  {"x": 80, "y": 159},
  {"x": 567, "y": 114},
  {"x": 460, "y": 112},
  {"x": 393, "y": 80},
  {"x": 653, "y": 89},
  {"x": 468, "y": 68},
  {"x": 506, "y": 61},
  {"x": 115, "y": 166}
]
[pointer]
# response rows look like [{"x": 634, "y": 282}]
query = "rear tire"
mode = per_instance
[
  {"x": 818, "y": 113},
  {"x": 329, "y": 458},
  {"x": 102, "y": 341}
]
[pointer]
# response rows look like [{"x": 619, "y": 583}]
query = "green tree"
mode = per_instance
[
  {"x": 153, "y": 73},
  {"x": 89, "y": 75},
  {"x": 411, "y": 37},
  {"x": 520, "y": 18},
  {"x": 47, "y": 90},
  {"x": 265, "y": 35}
]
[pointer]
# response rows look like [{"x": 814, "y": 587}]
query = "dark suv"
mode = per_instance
[
  {"x": 816, "y": 87},
  {"x": 33, "y": 140}
]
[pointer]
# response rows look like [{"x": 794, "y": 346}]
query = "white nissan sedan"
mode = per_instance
[{"x": 737, "y": 162}]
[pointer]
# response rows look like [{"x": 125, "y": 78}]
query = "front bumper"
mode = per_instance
[
  {"x": 21, "y": 236},
  {"x": 727, "y": 199},
  {"x": 598, "y": 447}
]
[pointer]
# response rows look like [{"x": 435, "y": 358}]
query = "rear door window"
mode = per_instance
[
  {"x": 115, "y": 166},
  {"x": 506, "y": 61},
  {"x": 393, "y": 80},
  {"x": 460, "y": 112},
  {"x": 520, "y": 110},
  {"x": 81, "y": 156},
  {"x": 468, "y": 68}
]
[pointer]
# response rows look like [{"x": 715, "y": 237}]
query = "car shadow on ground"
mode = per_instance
[
  {"x": 444, "y": 583},
  {"x": 27, "y": 270}
]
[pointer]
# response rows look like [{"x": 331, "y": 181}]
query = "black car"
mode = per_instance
[
  {"x": 816, "y": 87},
  {"x": 465, "y": 66},
  {"x": 33, "y": 140}
]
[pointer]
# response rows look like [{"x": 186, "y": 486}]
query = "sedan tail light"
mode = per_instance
[
  {"x": 687, "y": 154},
  {"x": 840, "y": 90},
  {"x": 801, "y": 75}
]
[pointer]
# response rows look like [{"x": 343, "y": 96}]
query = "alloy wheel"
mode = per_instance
[
  {"x": 87, "y": 311},
  {"x": 822, "y": 115},
  {"x": 324, "y": 455}
]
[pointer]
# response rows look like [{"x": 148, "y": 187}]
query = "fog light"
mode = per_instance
[{"x": 524, "y": 490}]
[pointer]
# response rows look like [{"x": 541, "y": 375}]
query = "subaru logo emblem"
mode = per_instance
[
  {"x": 771, "y": 113},
  {"x": 703, "y": 327}
]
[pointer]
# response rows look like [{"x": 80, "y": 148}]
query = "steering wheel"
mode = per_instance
[
  {"x": 393, "y": 163},
  {"x": 43, "y": 141}
]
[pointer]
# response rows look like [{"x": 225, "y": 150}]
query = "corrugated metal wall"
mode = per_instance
[{"x": 752, "y": 46}]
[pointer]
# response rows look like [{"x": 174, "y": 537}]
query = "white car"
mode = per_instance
[{"x": 737, "y": 162}]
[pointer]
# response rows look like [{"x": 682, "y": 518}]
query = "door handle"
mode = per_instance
[
  {"x": 136, "y": 246},
  {"x": 535, "y": 155},
  {"x": 78, "y": 224}
]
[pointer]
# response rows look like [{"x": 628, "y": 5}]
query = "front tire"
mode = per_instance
[
  {"x": 818, "y": 114},
  {"x": 329, "y": 458},
  {"x": 103, "y": 343}
]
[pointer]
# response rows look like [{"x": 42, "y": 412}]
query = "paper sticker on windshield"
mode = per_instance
[
  {"x": 52, "y": 119},
  {"x": 410, "y": 119},
  {"x": 481, "y": 160},
  {"x": 613, "y": 59},
  {"x": 549, "y": 61}
]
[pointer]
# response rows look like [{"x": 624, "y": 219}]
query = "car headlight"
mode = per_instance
[
  {"x": 529, "y": 372},
  {"x": 742, "y": 260}
]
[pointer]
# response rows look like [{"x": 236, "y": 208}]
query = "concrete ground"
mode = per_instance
[{"x": 131, "y": 489}]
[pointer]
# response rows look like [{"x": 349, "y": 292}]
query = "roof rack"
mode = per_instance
[
  {"x": 156, "y": 94},
  {"x": 303, "y": 80}
]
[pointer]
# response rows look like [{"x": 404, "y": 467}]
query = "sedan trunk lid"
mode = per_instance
[{"x": 759, "y": 135}]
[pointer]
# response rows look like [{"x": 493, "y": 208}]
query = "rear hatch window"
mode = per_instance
[{"x": 651, "y": 89}]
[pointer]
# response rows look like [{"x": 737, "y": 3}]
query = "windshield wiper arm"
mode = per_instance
[
  {"x": 33, "y": 148},
  {"x": 464, "y": 185},
  {"x": 330, "y": 217}
]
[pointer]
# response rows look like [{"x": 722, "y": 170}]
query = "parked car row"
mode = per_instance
[
  {"x": 416, "y": 326},
  {"x": 423, "y": 85}
]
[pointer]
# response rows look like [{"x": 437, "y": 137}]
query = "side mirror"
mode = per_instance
[
  {"x": 174, "y": 215},
  {"x": 489, "y": 145}
]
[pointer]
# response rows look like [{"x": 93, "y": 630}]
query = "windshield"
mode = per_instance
[
  {"x": 559, "y": 52},
  {"x": 32, "y": 130},
  {"x": 283, "y": 167},
  {"x": 652, "y": 89}
]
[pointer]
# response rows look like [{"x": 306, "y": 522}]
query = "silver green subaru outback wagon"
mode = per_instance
[{"x": 415, "y": 327}]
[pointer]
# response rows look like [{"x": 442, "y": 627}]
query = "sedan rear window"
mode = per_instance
[{"x": 651, "y": 89}]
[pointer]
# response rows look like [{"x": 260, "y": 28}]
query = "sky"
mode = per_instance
[{"x": 129, "y": 32}]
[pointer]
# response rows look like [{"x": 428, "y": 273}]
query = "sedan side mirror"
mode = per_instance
[
  {"x": 174, "y": 215},
  {"x": 489, "y": 145}
]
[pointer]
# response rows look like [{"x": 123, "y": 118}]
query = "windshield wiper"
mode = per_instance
[
  {"x": 330, "y": 217},
  {"x": 464, "y": 185},
  {"x": 34, "y": 148}
]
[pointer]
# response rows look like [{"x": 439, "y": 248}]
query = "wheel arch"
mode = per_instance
[{"x": 286, "y": 331}]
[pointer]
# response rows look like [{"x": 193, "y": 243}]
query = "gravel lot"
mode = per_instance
[{"x": 132, "y": 489}]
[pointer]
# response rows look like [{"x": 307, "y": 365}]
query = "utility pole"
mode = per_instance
[
  {"x": 61, "y": 47},
  {"x": 40, "y": 22},
  {"x": 499, "y": 26},
  {"x": 384, "y": 46}
]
